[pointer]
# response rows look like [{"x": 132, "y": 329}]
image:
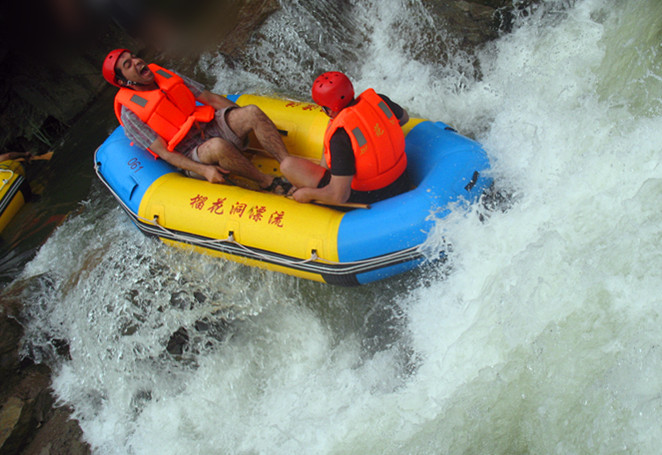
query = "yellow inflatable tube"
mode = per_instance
[
  {"x": 256, "y": 220},
  {"x": 259, "y": 221},
  {"x": 12, "y": 176}
]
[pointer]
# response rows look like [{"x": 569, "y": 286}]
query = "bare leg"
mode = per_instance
[
  {"x": 251, "y": 118},
  {"x": 301, "y": 172},
  {"x": 223, "y": 153}
]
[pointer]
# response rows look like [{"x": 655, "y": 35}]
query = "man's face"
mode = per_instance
[{"x": 134, "y": 69}]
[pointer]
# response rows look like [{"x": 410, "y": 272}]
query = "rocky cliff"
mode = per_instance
[{"x": 51, "y": 50}]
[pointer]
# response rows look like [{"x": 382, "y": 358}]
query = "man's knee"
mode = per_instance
[
  {"x": 244, "y": 119},
  {"x": 251, "y": 115},
  {"x": 252, "y": 110},
  {"x": 214, "y": 144}
]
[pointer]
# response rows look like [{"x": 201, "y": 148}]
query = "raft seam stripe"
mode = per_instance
[{"x": 229, "y": 246}]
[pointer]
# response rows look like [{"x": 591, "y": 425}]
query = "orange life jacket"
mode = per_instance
[
  {"x": 170, "y": 111},
  {"x": 377, "y": 141}
]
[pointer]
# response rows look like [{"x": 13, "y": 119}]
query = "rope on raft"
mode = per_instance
[{"x": 316, "y": 261}]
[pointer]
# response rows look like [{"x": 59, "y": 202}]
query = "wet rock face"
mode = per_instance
[
  {"x": 50, "y": 58},
  {"x": 9, "y": 362},
  {"x": 48, "y": 76},
  {"x": 29, "y": 421},
  {"x": 475, "y": 22}
]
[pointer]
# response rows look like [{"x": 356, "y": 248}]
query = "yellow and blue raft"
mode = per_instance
[
  {"x": 277, "y": 233},
  {"x": 12, "y": 187}
]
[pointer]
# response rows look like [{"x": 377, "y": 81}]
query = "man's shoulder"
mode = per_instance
[
  {"x": 131, "y": 121},
  {"x": 194, "y": 86},
  {"x": 340, "y": 136},
  {"x": 397, "y": 110}
]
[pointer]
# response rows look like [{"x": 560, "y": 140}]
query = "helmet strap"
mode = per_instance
[{"x": 130, "y": 83}]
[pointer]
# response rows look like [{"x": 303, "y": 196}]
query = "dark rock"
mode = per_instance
[
  {"x": 178, "y": 341},
  {"x": 199, "y": 297},
  {"x": 29, "y": 420},
  {"x": 475, "y": 22},
  {"x": 58, "y": 435},
  {"x": 9, "y": 342},
  {"x": 201, "y": 326}
]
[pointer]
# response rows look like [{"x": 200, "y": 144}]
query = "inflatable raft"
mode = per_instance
[
  {"x": 274, "y": 232},
  {"x": 13, "y": 192}
]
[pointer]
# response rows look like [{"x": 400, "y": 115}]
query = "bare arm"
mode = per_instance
[
  {"x": 14, "y": 155},
  {"x": 213, "y": 174},
  {"x": 405, "y": 117},
  {"x": 214, "y": 100}
]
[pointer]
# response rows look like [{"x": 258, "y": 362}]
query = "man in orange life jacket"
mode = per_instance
[
  {"x": 158, "y": 110},
  {"x": 364, "y": 146}
]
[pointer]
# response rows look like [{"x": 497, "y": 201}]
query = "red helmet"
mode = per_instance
[
  {"x": 109, "y": 62},
  {"x": 333, "y": 90}
]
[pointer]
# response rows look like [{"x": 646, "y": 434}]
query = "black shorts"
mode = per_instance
[{"x": 399, "y": 186}]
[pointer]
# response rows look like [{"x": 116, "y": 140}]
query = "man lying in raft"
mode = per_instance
[
  {"x": 364, "y": 147},
  {"x": 157, "y": 108}
]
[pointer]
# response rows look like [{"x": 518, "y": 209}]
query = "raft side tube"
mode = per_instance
[
  {"x": 128, "y": 169},
  {"x": 445, "y": 167},
  {"x": 14, "y": 190},
  {"x": 255, "y": 219}
]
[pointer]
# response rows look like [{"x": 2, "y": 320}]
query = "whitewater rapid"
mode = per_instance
[{"x": 540, "y": 334}]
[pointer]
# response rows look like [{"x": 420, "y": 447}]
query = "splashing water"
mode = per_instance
[{"x": 541, "y": 335}]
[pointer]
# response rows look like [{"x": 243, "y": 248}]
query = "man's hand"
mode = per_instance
[{"x": 215, "y": 174}]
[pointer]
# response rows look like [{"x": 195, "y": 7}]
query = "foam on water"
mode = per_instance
[{"x": 541, "y": 334}]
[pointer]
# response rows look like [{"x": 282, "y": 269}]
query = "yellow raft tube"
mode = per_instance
[{"x": 12, "y": 180}]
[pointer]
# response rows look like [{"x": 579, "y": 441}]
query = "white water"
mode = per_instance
[{"x": 542, "y": 337}]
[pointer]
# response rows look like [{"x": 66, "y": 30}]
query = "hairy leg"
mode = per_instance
[
  {"x": 299, "y": 171},
  {"x": 251, "y": 118},
  {"x": 222, "y": 153}
]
